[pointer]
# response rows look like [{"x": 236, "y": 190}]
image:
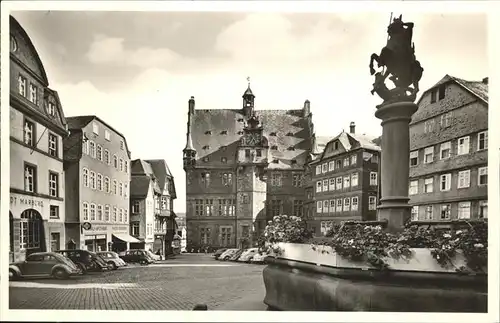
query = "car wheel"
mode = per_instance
[
  {"x": 225, "y": 258},
  {"x": 60, "y": 274},
  {"x": 82, "y": 267},
  {"x": 143, "y": 262},
  {"x": 112, "y": 265},
  {"x": 12, "y": 274}
]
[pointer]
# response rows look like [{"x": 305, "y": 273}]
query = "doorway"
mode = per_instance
[{"x": 55, "y": 241}]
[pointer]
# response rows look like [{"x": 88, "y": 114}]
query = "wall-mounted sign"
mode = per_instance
[
  {"x": 28, "y": 201},
  {"x": 87, "y": 225}
]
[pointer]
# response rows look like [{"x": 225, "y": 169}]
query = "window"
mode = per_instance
[
  {"x": 464, "y": 179},
  {"x": 21, "y": 83},
  {"x": 115, "y": 187},
  {"x": 326, "y": 226},
  {"x": 121, "y": 165},
  {"x": 414, "y": 158},
  {"x": 115, "y": 162},
  {"x": 338, "y": 164},
  {"x": 346, "y": 162},
  {"x": 247, "y": 153},
  {"x": 135, "y": 207},
  {"x": 30, "y": 230},
  {"x": 332, "y": 206},
  {"x": 198, "y": 207},
  {"x": 135, "y": 229},
  {"x": 428, "y": 212},
  {"x": 354, "y": 179},
  {"x": 347, "y": 181},
  {"x": 347, "y": 203},
  {"x": 227, "y": 179},
  {"x": 325, "y": 185},
  {"x": 428, "y": 155},
  {"x": 483, "y": 209},
  {"x": 445, "y": 120},
  {"x": 95, "y": 128},
  {"x": 325, "y": 206},
  {"x": 332, "y": 184},
  {"x": 106, "y": 184},
  {"x": 99, "y": 212},
  {"x": 54, "y": 212},
  {"x": 121, "y": 189},
  {"x": 276, "y": 207},
  {"x": 319, "y": 187},
  {"x": 85, "y": 173},
  {"x": 433, "y": 96},
  {"x": 372, "y": 203},
  {"x": 29, "y": 133},
  {"x": 106, "y": 213},
  {"x": 339, "y": 183},
  {"x": 209, "y": 207},
  {"x": 53, "y": 146},
  {"x": 324, "y": 168},
  {"x": 225, "y": 236},
  {"x": 259, "y": 152},
  {"x": 298, "y": 208},
  {"x": 413, "y": 188},
  {"x": 339, "y": 205},
  {"x": 223, "y": 160},
  {"x": 429, "y": 125},
  {"x": 318, "y": 169},
  {"x": 429, "y": 185},
  {"x": 85, "y": 211},
  {"x": 373, "y": 178},
  {"x": 92, "y": 180},
  {"x": 120, "y": 218},
  {"x": 122, "y": 145},
  {"x": 445, "y": 150},
  {"x": 276, "y": 179},
  {"x": 331, "y": 166},
  {"x": 445, "y": 211},
  {"x": 445, "y": 181},
  {"x": 354, "y": 159},
  {"x": 92, "y": 149},
  {"x": 463, "y": 146},
  {"x": 115, "y": 214},
  {"x": 85, "y": 145},
  {"x": 374, "y": 159},
  {"x": 53, "y": 184},
  {"x": 319, "y": 207},
  {"x": 99, "y": 182},
  {"x": 107, "y": 135},
  {"x": 30, "y": 178},
  {"x": 482, "y": 140},
  {"x": 92, "y": 212},
  {"x": 482, "y": 176},
  {"x": 164, "y": 204},
  {"x": 33, "y": 94},
  {"x": 297, "y": 180},
  {"x": 414, "y": 213},
  {"x": 354, "y": 203},
  {"x": 464, "y": 210},
  {"x": 99, "y": 152},
  {"x": 125, "y": 190},
  {"x": 205, "y": 179}
]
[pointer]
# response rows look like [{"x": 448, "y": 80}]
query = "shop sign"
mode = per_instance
[
  {"x": 95, "y": 237},
  {"x": 120, "y": 228},
  {"x": 87, "y": 225},
  {"x": 26, "y": 201}
]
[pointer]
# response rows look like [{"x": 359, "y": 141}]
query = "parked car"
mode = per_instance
[
  {"x": 259, "y": 258},
  {"x": 85, "y": 260},
  {"x": 137, "y": 256},
  {"x": 219, "y": 252},
  {"x": 43, "y": 264},
  {"x": 153, "y": 256},
  {"x": 227, "y": 254},
  {"x": 236, "y": 255},
  {"x": 113, "y": 260},
  {"x": 248, "y": 254}
]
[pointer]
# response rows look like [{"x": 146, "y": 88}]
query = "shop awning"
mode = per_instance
[{"x": 126, "y": 237}]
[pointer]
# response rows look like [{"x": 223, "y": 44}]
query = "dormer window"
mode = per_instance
[
  {"x": 240, "y": 120},
  {"x": 291, "y": 148},
  {"x": 223, "y": 160},
  {"x": 294, "y": 161},
  {"x": 205, "y": 159},
  {"x": 51, "y": 109},
  {"x": 208, "y": 132},
  {"x": 206, "y": 147},
  {"x": 336, "y": 145},
  {"x": 272, "y": 134},
  {"x": 275, "y": 161},
  {"x": 289, "y": 134},
  {"x": 274, "y": 147},
  {"x": 223, "y": 148},
  {"x": 223, "y": 132},
  {"x": 240, "y": 132}
]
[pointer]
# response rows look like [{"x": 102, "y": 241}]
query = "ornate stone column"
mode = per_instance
[{"x": 395, "y": 163}]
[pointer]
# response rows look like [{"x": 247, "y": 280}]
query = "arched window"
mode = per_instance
[
  {"x": 85, "y": 210},
  {"x": 99, "y": 212},
  {"x": 106, "y": 213},
  {"x": 92, "y": 212},
  {"x": 92, "y": 180},
  {"x": 106, "y": 184},
  {"x": 115, "y": 162},
  {"x": 85, "y": 177},
  {"x": 30, "y": 230},
  {"x": 121, "y": 215},
  {"x": 121, "y": 189},
  {"x": 121, "y": 165},
  {"x": 115, "y": 211},
  {"x": 92, "y": 149},
  {"x": 99, "y": 152},
  {"x": 99, "y": 182},
  {"x": 107, "y": 160}
]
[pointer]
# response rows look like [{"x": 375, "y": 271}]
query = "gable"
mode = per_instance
[
  {"x": 330, "y": 148},
  {"x": 26, "y": 53}
]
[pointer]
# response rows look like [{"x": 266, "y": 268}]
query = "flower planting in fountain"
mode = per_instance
[{"x": 462, "y": 248}]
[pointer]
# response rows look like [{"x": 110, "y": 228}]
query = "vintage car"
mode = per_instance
[
  {"x": 248, "y": 254},
  {"x": 43, "y": 264},
  {"x": 113, "y": 260},
  {"x": 85, "y": 260},
  {"x": 138, "y": 256}
]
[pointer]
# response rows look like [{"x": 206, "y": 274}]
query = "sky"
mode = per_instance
[{"x": 137, "y": 70}]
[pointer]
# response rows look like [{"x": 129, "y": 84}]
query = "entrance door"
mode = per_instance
[{"x": 55, "y": 241}]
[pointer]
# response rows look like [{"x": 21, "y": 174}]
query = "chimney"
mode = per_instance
[
  {"x": 485, "y": 80},
  {"x": 191, "y": 105},
  {"x": 307, "y": 108},
  {"x": 352, "y": 127}
]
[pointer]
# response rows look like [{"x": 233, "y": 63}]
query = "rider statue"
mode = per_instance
[{"x": 398, "y": 57}]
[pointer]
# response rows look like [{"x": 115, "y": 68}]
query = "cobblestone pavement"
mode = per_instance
[{"x": 174, "y": 284}]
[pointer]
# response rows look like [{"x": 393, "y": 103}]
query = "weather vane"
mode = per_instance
[{"x": 248, "y": 79}]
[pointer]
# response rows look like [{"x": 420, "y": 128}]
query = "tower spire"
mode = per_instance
[
  {"x": 189, "y": 153},
  {"x": 248, "y": 101}
]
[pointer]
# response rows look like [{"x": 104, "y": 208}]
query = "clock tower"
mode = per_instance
[
  {"x": 251, "y": 185},
  {"x": 248, "y": 101}
]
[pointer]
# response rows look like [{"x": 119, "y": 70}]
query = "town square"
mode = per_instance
[{"x": 248, "y": 161}]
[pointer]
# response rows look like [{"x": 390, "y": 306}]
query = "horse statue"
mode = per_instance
[{"x": 398, "y": 56}]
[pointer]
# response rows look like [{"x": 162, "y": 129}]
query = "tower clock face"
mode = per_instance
[{"x": 253, "y": 139}]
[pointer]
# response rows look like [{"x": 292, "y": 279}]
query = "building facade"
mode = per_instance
[
  {"x": 344, "y": 181},
  {"x": 97, "y": 168},
  {"x": 181, "y": 230},
  {"x": 449, "y": 152},
  {"x": 243, "y": 166},
  {"x": 37, "y": 128}
]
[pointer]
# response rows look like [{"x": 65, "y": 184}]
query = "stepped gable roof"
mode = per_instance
[{"x": 285, "y": 130}]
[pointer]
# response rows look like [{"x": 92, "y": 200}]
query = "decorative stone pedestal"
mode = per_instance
[{"x": 395, "y": 163}]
